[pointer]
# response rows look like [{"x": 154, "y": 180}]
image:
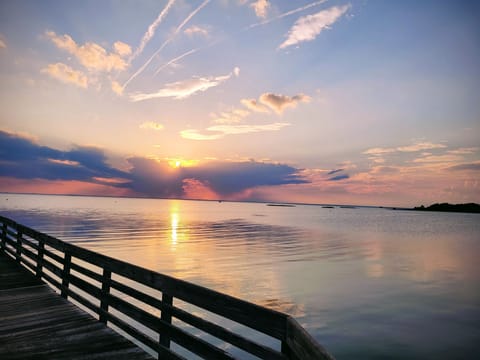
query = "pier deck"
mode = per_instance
[{"x": 36, "y": 322}]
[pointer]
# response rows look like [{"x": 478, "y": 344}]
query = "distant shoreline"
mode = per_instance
[
  {"x": 440, "y": 207},
  {"x": 446, "y": 207}
]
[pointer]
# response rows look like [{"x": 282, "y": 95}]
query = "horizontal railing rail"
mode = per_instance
[{"x": 140, "y": 303}]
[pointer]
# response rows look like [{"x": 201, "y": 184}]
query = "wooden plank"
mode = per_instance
[
  {"x": 301, "y": 346},
  {"x": 106, "y": 278},
  {"x": 37, "y": 323},
  {"x": 167, "y": 318}
]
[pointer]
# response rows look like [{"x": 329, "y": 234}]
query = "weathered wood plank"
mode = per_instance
[
  {"x": 300, "y": 344},
  {"x": 37, "y": 323}
]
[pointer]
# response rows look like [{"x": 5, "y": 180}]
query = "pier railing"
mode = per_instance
[{"x": 140, "y": 303}]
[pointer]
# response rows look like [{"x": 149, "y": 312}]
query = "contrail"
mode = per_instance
[
  {"x": 173, "y": 60},
  {"x": 151, "y": 30},
  {"x": 177, "y": 30},
  {"x": 291, "y": 12}
]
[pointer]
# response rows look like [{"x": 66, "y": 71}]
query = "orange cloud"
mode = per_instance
[{"x": 66, "y": 74}]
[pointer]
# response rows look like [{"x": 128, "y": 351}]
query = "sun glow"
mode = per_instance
[{"x": 178, "y": 163}]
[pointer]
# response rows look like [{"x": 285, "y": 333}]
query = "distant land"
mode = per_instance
[{"x": 466, "y": 208}]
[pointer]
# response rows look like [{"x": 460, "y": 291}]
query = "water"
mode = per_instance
[{"x": 366, "y": 283}]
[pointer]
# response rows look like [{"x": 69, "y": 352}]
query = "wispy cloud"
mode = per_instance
[
  {"x": 339, "y": 177},
  {"x": 220, "y": 131},
  {"x": 260, "y": 7},
  {"x": 196, "y": 30},
  {"x": 166, "y": 42},
  {"x": 230, "y": 117},
  {"x": 279, "y": 103},
  {"x": 66, "y": 74},
  {"x": 151, "y": 125},
  {"x": 183, "y": 89},
  {"x": 151, "y": 30},
  {"x": 334, "y": 171},
  {"x": 254, "y": 105},
  {"x": 3, "y": 43},
  {"x": 447, "y": 158},
  {"x": 421, "y": 146},
  {"x": 464, "y": 151},
  {"x": 307, "y": 28},
  {"x": 475, "y": 166},
  {"x": 90, "y": 55}
]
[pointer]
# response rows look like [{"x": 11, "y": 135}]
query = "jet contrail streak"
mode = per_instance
[
  {"x": 177, "y": 30},
  {"x": 291, "y": 12},
  {"x": 151, "y": 30}
]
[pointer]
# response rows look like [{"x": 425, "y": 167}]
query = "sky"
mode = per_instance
[{"x": 331, "y": 102}]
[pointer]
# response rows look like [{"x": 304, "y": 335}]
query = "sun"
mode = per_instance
[{"x": 176, "y": 163}]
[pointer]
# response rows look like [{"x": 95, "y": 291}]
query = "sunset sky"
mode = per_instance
[{"x": 344, "y": 102}]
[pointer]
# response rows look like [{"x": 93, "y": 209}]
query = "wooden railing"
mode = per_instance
[{"x": 140, "y": 303}]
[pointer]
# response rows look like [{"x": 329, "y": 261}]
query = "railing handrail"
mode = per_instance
[{"x": 296, "y": 343}]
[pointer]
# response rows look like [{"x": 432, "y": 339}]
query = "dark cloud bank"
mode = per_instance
[{"x": 24, "y": 159}]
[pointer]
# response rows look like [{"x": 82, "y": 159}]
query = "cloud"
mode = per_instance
[
  {"x": 254, "y": 105},
  {"x": 260, "y": 7},
  {"x": 279, "y": 103},
  {"x": 475, "y": 166},
  {"x": 379, "y": 151},
  {"x": 23, "y": 158},
  {"x": 230, "y": 117},
  {"x": 307, "y": 28},
  {"x": 151, "y": 125},
  {"x": 220, "y": 131},
  {"x": 90, "y": 55},
  {"x": 66, "y": 74},
  {"x": 334, "y": 171},
  {"x": 158, "y": 179},
  {"x": 339, "y": 177},
  {"x": 24, "y": 162},
  {"x": 122, "y": 49},
  {"x": 195, "y": 30},
  {"x": 151, "y": 30},
  {"x": 3, "y": 44},
  {"x": 420, "y": 146},
  {"x": 464, "y": 151},
  {"x": 438, "y": 159},
  {"x": 117, "y": 87},
  {"x": 183, "y": 89}
]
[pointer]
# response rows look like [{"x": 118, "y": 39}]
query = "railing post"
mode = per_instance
[
  {"x": 19, "y": 246},
  {"x": 106, "y": 280},
  {"x": 41, "y": 248},
  {"x": 4, "y": 236},
  {"x": 166, "y": 317},
  {"x": 67, "y": 260}
]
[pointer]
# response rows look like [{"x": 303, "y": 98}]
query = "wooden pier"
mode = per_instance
[{"x": 38, "y": 320}]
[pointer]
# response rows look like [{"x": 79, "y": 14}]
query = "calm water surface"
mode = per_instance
[{"x": 367, "y": 283}]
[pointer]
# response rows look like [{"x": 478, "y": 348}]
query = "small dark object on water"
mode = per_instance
[
  {"x": 328, "y": 207},
  {"x": 283, "y": 205}
]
